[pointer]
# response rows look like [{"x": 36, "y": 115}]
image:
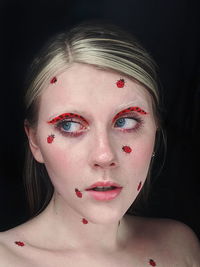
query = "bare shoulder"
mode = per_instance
[
  {"x": 5, "y": 253},
  {"x": 9, "y": 256},
  {"x": 175, "y": 238}
]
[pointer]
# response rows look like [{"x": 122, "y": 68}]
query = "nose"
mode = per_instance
[{"x": 102, "y": 155}]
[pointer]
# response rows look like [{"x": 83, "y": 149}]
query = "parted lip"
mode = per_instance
[{"x": 109, "y": 183}]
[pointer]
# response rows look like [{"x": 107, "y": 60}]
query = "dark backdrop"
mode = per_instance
[{"x": 170, "y": 32}]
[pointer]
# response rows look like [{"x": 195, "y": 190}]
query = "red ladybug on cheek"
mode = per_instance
[
  {"x": 127, "y": 149},
  {"x": 152, "y": 262},
  {"x": 50, "y": 138},
  {"x": 120, "y": 83}
]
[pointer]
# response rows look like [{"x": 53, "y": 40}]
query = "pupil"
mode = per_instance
[{"x": 120, "y": 122}]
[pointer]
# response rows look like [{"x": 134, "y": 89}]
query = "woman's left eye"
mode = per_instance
[{"x": 126, "y": 123}]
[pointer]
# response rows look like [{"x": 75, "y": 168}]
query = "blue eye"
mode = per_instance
[
  {"x": 126, "y": 123},
  {"x": 66, "y": 125},
  {"x": 69, "y": 126},
  {"x": 120, "y": 122}
]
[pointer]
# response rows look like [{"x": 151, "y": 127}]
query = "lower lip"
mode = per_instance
[{"x": 105, "y": 195}]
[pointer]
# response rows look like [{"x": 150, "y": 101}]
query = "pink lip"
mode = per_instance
[
  {"x": 103, "y": 184},
  {"x": 104, "y": 195}
]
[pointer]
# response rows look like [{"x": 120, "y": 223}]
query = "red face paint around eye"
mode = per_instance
[
  {"x": 152, "y": 262},
  {"x": 139, "y": 186},
  {"x": 19, "y": 243},
  {"x": 120, "y": 83},
  {"x": 78, "y": 193},
  {"x": 84, "y": 221},
  {"x": 128, "y": 110},
  {"x": 54, "y": 80},
  {"x": 127, "y": 149},
  {"x": 50, "y": 138},
  {"x": 66, "y": 116}
]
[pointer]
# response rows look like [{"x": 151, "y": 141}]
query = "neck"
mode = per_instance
[{"x": 69, "y": 229}]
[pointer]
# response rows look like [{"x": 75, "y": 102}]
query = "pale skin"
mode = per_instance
[{"x": 57, "y": 237}]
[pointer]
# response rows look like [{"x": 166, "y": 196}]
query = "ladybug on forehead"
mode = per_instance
[{"x": 120, "y": 83}]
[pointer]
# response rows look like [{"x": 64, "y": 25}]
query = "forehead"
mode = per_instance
[{"x": 87, "y": 86}]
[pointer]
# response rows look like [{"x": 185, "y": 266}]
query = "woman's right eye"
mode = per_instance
[{"x": 70, "y": 126}]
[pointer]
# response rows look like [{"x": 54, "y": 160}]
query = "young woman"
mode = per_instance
[{"x": 92, "y": 124}]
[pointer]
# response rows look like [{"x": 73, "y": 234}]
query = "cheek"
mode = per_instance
[
  {"x": 136, "y": 164},
  {"x": 57, "y": 159}
]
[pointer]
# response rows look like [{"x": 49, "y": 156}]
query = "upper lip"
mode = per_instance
[{"x": 109, "y": 183}]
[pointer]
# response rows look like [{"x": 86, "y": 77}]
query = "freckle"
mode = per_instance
[
  {"x": 139, "y": 186},
  {"x": 19, "y": 243},
  {"x": 152, "y": 262},
  {"x": 127, "y": 149},
  {"x": 84, "y": 221},
  {"x": 78, "y": 193}
]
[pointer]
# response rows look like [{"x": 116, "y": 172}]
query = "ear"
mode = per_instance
[{"x": 33, "y": 144}]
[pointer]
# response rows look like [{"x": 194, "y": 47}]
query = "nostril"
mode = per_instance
[{"x": 112, "y": 164}]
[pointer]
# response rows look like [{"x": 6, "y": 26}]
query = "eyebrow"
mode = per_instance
[
  {"x": 127, "y": 110},
  {"x": 66, "y": 116}
]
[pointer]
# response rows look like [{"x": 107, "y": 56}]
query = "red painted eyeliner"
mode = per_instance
[
  {"x": 66, "y": 116},
  {"x": 127, "y": 110}
]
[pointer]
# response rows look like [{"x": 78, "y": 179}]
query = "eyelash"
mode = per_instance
[{"x": 135, "y": 117}]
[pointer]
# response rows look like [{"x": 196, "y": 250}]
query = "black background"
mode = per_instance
[{"x": 170, "y": 30}]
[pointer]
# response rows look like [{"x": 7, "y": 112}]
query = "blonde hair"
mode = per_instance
[{"x": 104, "y": 46}]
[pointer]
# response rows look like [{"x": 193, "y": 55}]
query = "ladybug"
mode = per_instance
[
  {"x": 120, "y": 83},
  {"x": 78, "y": 193},
  {"x": 84, "y": 221},
  {"x": 50, "y": 138},
  {"x": 19, "y": 243},
  {"x": 127, "y": 149},
  {"x": 54, "y": 80},
  {"x": 152, "y": 262}
]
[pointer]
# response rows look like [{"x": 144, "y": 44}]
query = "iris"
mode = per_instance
[{"x": 120, "y": 122}]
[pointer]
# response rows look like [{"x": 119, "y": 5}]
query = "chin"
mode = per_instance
[{"x": 105, "y": 216}]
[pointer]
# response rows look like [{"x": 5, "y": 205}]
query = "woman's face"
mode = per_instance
[{"x": 97, "y": 142}]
